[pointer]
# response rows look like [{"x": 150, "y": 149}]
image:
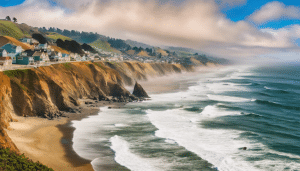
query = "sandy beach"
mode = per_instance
[{"x": 50, "y": 141}]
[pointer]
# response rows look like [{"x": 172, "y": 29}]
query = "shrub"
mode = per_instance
[
  {"x": 16, "y": 73},
  {"x": 11, "y": 161},
  {"x": 67, "y": 65}
]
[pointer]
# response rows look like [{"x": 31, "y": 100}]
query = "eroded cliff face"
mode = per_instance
[
  {"x": 46, "y": 91},
  {"x": 6, "y": 112},
  {"x": 131, "y": 71}
]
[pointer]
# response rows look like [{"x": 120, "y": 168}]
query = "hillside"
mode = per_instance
[
  {"x": 137, "y": 44},
  {"x": 143, "y": 53},
  {"x": 8, "y": 28},
  {"x": 105, "y": 46},
  {"x": 159, "y": 50},
  {"x": 54, "y": 36},
  {"x": 6, "y": 39}
]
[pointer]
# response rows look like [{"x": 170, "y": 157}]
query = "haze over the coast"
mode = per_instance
[{"x": 226, "y": 28}]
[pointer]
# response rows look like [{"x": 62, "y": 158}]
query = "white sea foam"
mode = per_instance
[
  {"x": 121, "y": 125},
  {"x": 125, "y": 157},
  {"x": 214, "y": 111},
  {"x": 227, "y": 98},
  {"x": 219, "y": 147}
]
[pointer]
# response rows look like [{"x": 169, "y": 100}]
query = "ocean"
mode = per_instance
[{"x": 234, "y": 118}]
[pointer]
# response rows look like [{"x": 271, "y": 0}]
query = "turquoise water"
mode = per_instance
[{"x": 204, "y": 125}]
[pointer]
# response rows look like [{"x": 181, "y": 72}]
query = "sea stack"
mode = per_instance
[{"x": 139, "y": 91}]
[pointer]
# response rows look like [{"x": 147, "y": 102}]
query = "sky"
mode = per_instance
[{"x": 235, "y": 29}]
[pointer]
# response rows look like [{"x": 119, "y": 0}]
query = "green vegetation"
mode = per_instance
[
  {"x": 55, "y": 36},
  {"x": 184, "y": 54},
  {"x": 21, "y": 86},
  {"x": 67, "y": 65},
  {"x": 13, "y": 74},
  {"x": 12, "y": 161},
  {"x": 8, "y": 28},
  {"x": 105, "y": 46},
  {"x": 16, "y": 73}
]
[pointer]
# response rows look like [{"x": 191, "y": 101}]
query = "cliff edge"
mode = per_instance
[{"x": 48, "y": 91}]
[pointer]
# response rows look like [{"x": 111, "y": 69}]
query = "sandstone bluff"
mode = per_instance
[{"x": 50, "y": 90}]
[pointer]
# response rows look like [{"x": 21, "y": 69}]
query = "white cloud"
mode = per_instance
[
  {"x": 230, "y": 3},
  {"x": 274, "y": 11},
  {"x": 197, "y": 24}
]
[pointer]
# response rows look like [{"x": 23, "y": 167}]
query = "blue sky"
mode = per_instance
[
  {"x": 6, "y": 3},
  {"x": 235, "y": 13},
  {"x": 241, "y": 12},
  {"x": 230, "y": 28}
]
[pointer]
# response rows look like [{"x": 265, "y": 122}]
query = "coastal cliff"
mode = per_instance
[{"x": 48, "y": 91}]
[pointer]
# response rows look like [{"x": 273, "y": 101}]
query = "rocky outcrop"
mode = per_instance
[
  {"x": 139, "y": 91},
  {"x": 48, "y": 91}
]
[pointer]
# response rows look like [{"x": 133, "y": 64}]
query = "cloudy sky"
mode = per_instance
[{"x": 239, "y": 29}]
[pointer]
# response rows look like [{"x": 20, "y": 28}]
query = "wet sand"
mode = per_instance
[{"x": 50, "y": 141}]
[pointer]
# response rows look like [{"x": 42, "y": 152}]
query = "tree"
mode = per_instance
[
  {"x": 8, "y": 18},
  {"x": 15, "y": 19},
  {"x": 159, "y": 56}
]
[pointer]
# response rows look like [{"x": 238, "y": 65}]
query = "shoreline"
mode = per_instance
[{"x": 50, "y": 141}]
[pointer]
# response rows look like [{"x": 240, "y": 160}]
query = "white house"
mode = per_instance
[
  {"x": 12, "y": 51},
  {"x": 30, "y": 41},
  {"x": 40, "y": 57},
  {"x": 4, "y": 59},
  {"x": 42, "y": 47}
]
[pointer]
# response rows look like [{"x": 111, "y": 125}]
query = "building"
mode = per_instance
[
  {"x": 56, "y": 56},
  {"x": 42, "y": 47},
  {"x": 3, "y": 53},
  {"x": 25, "y": 58},
  {"x": 4, "y": 59},
  {"x": 12, "y": 51},
  {"x": 30, "y": 41},
  {"x": 66, "y": 57},
  {"x": 40, "y": 57}
]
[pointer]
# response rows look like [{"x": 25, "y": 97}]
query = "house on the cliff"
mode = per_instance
[
  {"x": 30, "y": 41},
  {"x": 55, "y": 56},
  {"x": 4, "y": 59},
  {"x": 75, "y": 57},
  {"x": 25, "y": 58},
  {"x": 66, "y": 57},
  {"x": 40, "y": 57},
  {"x": 12, "y": 51},
  {"x": 42, "y": 47}
]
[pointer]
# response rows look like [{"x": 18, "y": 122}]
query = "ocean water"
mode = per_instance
[{"x": 204, "y": 125}]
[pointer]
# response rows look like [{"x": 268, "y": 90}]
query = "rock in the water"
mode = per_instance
[{"x": 139, "y": 91}]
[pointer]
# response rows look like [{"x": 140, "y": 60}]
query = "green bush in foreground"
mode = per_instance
[{"x": 11, "y": 161}]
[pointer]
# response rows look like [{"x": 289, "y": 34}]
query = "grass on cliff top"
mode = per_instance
[
  {"x": 105, "y": 46},
  {"x": 67, "y": 66},
  {"x": 12, "y": 161},
  {"x": 55, "y": 36},
  {"x": 8, "y": 28},
  {"x": 16, "y": 73}
]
